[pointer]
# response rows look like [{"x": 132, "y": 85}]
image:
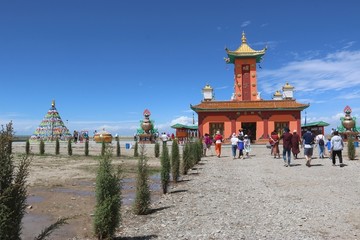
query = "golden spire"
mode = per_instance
[
  {"x": 243, "y": 39},
  {"x": 53, "y": 103},
  {"x": 244, "y": 51}
]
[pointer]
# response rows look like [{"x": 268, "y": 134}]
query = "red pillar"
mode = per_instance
[
  {"x": 266, "y": 128},
  {"x": 233, "y": 126}
]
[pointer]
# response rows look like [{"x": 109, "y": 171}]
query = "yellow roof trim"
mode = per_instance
[
  {"x": 277, "y": 93},
  {"x": 245, "y": 49},
  {"x": 288, "y": 86}
]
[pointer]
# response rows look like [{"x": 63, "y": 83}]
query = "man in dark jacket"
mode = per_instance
[
  {"x": 286, "y": 137},
  {"x": 308, "y": 142}
]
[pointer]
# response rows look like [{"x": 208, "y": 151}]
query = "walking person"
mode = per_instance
[
  {"x": 247, "y": 145},
  {"x": 75, "y": 135},
  {"x": 337, "y": 145},
  {"x": 218, "y": 141},
  {"x": 164, "y": 138},
  {"x": 295, "y": 144},
  {"x": 241, "y": 146},
  {"x": 320, "y": 140},
  {"x": 274, "y": 141},
  {"x": 328, "y": 147},
  {"x": 234, "y": 142},
  {"x": 207, "y": 143},
  {"x": 287, "y": 137},
  {"x": 308, "y": 142}
]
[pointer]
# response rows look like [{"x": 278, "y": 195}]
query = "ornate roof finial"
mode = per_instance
[
  {"x": 146, "y": 113},
  {"x": 53, "y": 103},
  {"x": 244, "y": 51},
  {"x": 347, "y": 110},
  {"x": 243, "y": 39}
]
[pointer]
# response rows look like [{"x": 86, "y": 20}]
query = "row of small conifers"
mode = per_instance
[
  {"x": 69, "y": 148},
  {"x": 107, "y": 217}
]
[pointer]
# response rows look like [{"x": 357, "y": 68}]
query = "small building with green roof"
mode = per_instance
[{"x": 315, "y": 127}]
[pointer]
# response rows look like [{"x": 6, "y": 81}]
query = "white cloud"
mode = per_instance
[
  {"x": 183, "y": 120},
  {"x": 221, "y": 88},
  {"x": 245, "y": 24},
  {"x": 349, "y": 44},
  {"x": 335, "y": 72}
]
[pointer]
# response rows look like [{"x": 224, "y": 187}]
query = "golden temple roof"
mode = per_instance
[
  {"x": 207, "y": 87},
  {"x": 277, "y": 93},
  {"x": 287, "y": 86},
  {"x": 244, "y": 51},
  {"x": 262, "y": 105}
]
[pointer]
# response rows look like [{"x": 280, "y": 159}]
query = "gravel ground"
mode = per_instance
[{"x": 255, "y": 198}]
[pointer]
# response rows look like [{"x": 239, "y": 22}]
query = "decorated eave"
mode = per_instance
[
  {"x": 244, "y": 51},
  {"x": 264, "y": 105}
]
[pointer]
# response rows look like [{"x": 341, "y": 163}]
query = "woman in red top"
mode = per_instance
[
  {"x": 274, "y": 141},
  {"x": 218, "y": 140}
]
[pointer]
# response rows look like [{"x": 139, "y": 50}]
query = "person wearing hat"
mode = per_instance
[
  {"x": 295, "y": 144},
  {"x": 286, "y": 137},
  {"x": 218, "y": 141}
]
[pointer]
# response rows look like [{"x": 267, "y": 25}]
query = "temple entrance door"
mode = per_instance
[
  {"x": 249, "y": 128},
  {"x": 215, "y": 127},
  {"x": 279, "y": 127}
]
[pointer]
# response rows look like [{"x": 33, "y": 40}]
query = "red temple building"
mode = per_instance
[{"x": 246, "y": 110}]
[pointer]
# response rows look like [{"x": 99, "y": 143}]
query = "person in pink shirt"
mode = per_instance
[{"x": 218, "y": 141}]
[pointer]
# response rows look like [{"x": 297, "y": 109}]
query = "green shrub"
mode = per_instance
[
  {"x": 57, "y": 147},
  {"x": 157, "y": 149},
  {"x": 193, "y": 155},
  {"x": 13, "y": 191},
  {"x": 86, "y": 150},
  {"x": 70, "y": 152},
  {"x": 108, "y": 197},
  {"x": 175, "y": 161},
  {"x": 136, "y": 149},
  {"x": 165, "y": 168},
  {"x": 118, "y": 149},
  {"x": 198, "y": 151},
  {"x": 10, "y": 146},
  {"x": 187, "y": 158},
  {"x": 42, "y": 147},
  {"x": 142, "y": 197},
  {"x": 27, "y": 147},
  {"x": 351, "y": 148},
  {"x": 13, "y": 186},
  {"x": 103, "y": 148}
]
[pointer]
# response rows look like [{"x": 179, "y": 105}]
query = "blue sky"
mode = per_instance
[{"x": 105, "y": 62}]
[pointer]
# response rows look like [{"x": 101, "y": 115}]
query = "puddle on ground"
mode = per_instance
[
  {"x": 129, "y": 185},
  {"x": 73, "y": 191},
  {"x": 33, "y": 223},
  {"x": 34, "y": 199}
]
